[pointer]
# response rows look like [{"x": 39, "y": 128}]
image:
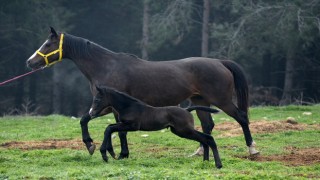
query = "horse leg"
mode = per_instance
[
  {"x": 123, "y": 141},
  {"x": 205, "y": 139},
  {"x": 205, "y": 152},
  {"x": 85, "y": 133},
  {"x": 206, "y": 120},
  {"x": 242, "y": 118}
]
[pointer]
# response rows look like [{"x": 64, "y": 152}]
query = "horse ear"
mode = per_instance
[{"x": 53, "y": 32}]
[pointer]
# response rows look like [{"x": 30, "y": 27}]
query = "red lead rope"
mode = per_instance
[{"x": 18, "y": 77}]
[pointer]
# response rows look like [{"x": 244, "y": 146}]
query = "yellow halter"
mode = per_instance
[{"x": 45, "y": 56}]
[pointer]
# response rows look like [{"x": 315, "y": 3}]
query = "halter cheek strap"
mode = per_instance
[{"x": 59, "y": 50}]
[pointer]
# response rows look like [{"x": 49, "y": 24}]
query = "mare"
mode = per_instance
[
  {"x": 205, "y": 81},
  {"x": 134, "y": 115}
]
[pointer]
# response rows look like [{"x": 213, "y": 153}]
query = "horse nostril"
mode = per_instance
[{"x": 29, "y": 62}]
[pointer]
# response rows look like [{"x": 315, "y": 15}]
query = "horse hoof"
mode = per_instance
[
  {"x": 254, "y": 152},
  {"x": 219, "y": 166},
  {"x": 252, "y": 149},
  {"x": 91, "y": 149},
  {"x": 199, "y": 152}
]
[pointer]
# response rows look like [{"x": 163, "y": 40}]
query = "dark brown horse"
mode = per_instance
[
  {"x": 135, "y": 115},
  {"x": 205, "y": 81}
]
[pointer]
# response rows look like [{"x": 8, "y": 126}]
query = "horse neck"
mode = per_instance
[{"x": 89, "y": 57}]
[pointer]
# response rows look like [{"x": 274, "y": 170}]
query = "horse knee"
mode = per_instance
[{"x": 85, "y": 119}]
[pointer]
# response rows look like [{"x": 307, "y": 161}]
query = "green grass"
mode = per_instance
[{"x": 161, "y": 155}]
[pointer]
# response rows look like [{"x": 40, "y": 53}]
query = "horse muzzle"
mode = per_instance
[
  {"x": 34, "y": 63},
  {"x": 93, "y": 114}
]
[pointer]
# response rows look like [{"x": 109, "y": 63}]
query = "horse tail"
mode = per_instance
[
  {"x": 241, "y": 85},
  {"x": 202, "y": 108}
]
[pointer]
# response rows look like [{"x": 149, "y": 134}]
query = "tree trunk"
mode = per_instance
[
  {"x": 145, "y": 30},
  {"x": 288, "y": 81},
  {"x": 205, "y": 28}
]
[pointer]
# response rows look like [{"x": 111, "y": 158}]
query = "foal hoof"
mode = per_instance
[
  {"x": 105, "y": 158},
  {"x": 113, "y": 155},
  {"x": 91, "y": 149},
  {"x": 123, "y": 156}
]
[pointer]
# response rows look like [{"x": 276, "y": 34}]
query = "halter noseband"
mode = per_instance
[{"x": 45, "y": 56}]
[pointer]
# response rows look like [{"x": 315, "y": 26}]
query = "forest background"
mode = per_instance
[{"x": 277, "y": 43}]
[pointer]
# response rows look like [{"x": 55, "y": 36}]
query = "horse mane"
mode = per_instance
[{"x": 81, "y": 47}]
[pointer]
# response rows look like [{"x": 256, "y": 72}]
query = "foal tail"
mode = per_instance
[
  {"x": 241, "y": 85},
  {"x": 202, "y": 108}
]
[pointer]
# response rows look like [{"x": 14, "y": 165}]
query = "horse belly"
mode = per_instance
[{"x": 161, "y": 91}]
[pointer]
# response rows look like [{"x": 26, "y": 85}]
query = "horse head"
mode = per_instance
[{"x": 49, "y": 52}]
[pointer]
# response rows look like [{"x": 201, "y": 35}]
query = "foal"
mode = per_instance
[{"x": 136, "y": 115}]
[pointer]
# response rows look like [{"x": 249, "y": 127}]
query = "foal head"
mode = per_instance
[
  {"x": 101, "y": 101},
  {"x": 49, "y": 53},
  {"x": 110, "y": 98}
]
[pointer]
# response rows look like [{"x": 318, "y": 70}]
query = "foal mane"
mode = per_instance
[{"x": 125, "y": 96}]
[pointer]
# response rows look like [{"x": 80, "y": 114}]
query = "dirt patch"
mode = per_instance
[
  {"x": 47, "y": 144},
  {"x": 231, "y": 129},
  {"x": 293, "y": 157}
]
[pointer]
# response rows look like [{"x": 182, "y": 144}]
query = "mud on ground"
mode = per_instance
[
  {"x": 232, "y": 129},
  {"x": 293, "y": 156},
  {"x": 46, "y": 144}
]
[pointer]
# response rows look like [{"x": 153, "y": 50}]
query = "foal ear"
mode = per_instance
[
  {"x": 99, "y": 89},
  {"x": 53, "y": 32}
]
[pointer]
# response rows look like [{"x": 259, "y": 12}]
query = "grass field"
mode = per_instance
[{"x": 50, "y": 148}]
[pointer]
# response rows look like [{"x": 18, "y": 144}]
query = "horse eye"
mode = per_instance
[{"x": 47, "y": 45}]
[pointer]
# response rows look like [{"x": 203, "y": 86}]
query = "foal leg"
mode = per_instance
[
  {"x": 242, "y": 118},
  {"x": 189, "y": 134},
  {"x": 107, "y": 142},
  {"x": 123, "y": 141},
  {"x": 205, "y": 139},
  {"x": 210, "y": 141},
  {"x": 85, "y": 133}
]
